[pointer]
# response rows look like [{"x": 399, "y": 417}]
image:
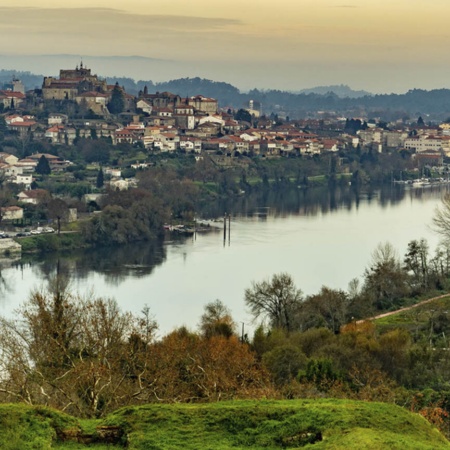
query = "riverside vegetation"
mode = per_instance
[{"x": 86, "y": 357}]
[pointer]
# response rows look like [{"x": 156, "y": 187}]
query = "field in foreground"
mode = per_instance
[{"x": 318, "y": 424}]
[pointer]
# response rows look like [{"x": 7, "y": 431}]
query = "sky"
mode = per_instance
[{"x": 380, "y": 46}]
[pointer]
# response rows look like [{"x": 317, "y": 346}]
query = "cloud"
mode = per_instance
[
  {"x": 79, "y": 17},
  {"x": 105, "y": 30}
]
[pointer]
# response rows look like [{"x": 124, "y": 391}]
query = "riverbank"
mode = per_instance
[{"x": 47, "y": 243}]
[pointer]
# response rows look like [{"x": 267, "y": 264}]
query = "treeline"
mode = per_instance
[{"x": 414, "y": 102}]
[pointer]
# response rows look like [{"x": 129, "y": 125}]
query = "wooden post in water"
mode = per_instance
[
  {"x": 229, "y": 229},
  {"x": 224, "y": 228}
]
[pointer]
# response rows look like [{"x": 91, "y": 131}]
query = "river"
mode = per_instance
[{"x": 320, "y": 237}]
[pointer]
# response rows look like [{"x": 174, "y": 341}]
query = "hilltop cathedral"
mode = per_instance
[{"x": 72, "y": 83}]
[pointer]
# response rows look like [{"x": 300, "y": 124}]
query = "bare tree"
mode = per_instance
[
  {"x": 68, "y": 352},
  {"x": 441, "y": 218},
  {"x": 277, "y": 300},
  {"x": 58, "y": 209}
]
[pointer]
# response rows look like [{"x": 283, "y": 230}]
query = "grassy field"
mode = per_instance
[
  {"x": 416, "y": 318},
  {"x": 318, "y": 424}
]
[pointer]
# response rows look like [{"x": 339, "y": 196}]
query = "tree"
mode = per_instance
[
  {"x": 117, "y": 103},
  {"x": 100, "y": 178},
  {"x": 216, "y": 320},
  {"x": 385, "y": 281},
  {"x": 68, "y": 352},
  {"x": 441, "y": 218},
  {"x": 278, "y": 300},
  {"x": 284, "y": 363},
  {"x": 43, "y": 167},
  {"x": 58, "y": 209},
  {"x": 329, "y": 307},
  {"x": 416, "y": 261},
  {"x": 243, "y": 115}
]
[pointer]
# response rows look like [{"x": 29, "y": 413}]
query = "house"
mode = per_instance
[
  {"x": 212, "y": 118},
  {"x": 54, "y": 133},
  {"x": 33, "y": 197},
  {"x": 144, "y": 105},
  {"x": 22, "y": 127},
  {"x": 161, "y": 99},
  {"x": 114, "y": 173},
  {"x": 10, "y": 99},
  {"x": 204, "y": 104},
  {"x": 8, "y": 158},
  {"x": 23, "y": 179},
  {"x": 12, "y": 213},
  {"x": 424, "y": 143},
  {"x": 26, "y": 164},
  {"x": 56, "y": 119},
  {"x": 95, "y": 101},
  {"x": 190, "y": 144}
]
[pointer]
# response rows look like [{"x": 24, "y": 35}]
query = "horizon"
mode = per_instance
[
  {"x": 93, "y": 62},
  {"x": 382, "y": 48}
]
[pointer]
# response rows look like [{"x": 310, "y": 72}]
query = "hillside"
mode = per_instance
[
  {"x": 317, "y": 424},
  {"x": 420, "y": 319}
]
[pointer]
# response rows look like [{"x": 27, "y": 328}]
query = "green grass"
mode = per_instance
[
  {"x": 414, "y": 318},
  {"x": 309, "y": 424},
  {"x": 44, "y": 243}
]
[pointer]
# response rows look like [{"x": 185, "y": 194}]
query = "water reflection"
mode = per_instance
[
  {"x": 313, "y": 201},
  {"x": 115, "y": 264},
  {"x": 5, "y": 284}
]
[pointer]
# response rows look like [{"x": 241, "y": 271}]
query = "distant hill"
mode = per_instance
[
  {"x": 341, "y": 90},
  {"x": 30, "y": 80},
  {"x": 224, "y": 92},
  {"x": 318, "y": 424},
  {"x": 341, "y": 99}
]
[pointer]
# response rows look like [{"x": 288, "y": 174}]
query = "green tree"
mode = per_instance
[
  {"x": 416, "y": 262},
  {"x": 117, "y": 103},
  {"x": 43, "y": 167},
  {"x": 216, "y": 320},
  {"x": 277, "y": 300},
  {"x": 100, "y": 178},
  {"x": 327, "y": 308},
  {"x": 243, "y": 116},
  {"x": 385, "y": 281},
  {"x": 284, "y": 363}
]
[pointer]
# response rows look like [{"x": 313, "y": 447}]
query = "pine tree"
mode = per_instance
[
  {"x": 117, "y": 102},
  {"x": 43, "y": 167},
  {"x": 100, "y": 178}
]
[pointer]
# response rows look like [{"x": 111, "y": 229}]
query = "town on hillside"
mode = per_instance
[{"x": 78, "y": 121}]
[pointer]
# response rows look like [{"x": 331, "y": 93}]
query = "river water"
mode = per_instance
[{"x": 320, "y": 237}]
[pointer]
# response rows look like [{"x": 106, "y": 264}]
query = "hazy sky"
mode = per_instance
[{"x": 382, "y": 46}]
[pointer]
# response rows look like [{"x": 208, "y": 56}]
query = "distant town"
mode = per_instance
[{"x": 90, "y": 135}]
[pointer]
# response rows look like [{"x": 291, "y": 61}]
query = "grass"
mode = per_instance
[
  {"x": 314, "y": 424},
  {"x": 415, "y": 318},
  {"x": 44, "y": 243}
]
